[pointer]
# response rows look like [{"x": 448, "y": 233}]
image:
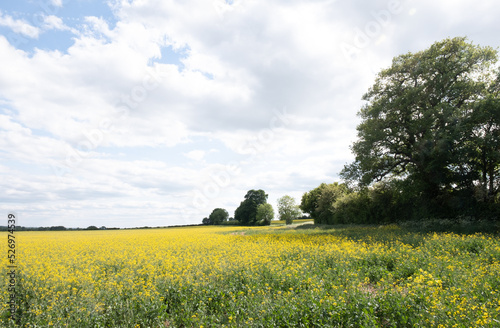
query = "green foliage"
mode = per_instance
[
  {"x": 230, "y": 223},
  {"x": 433, "y": 122},
  {"x": 246, "y": 213},
  {"x": 326, "y": 202},
  {"x": 218, "y": 216},
  {"x": 319, "y": 202},
  {"x": 352, "y": 208},
  {"x": 287, "y": 209},
  {"x": 265, "y": 214},
  {"x": 458, "y": 226},
  {"x": 309, "y": 201},
  {"x": 482, "y": 145}
]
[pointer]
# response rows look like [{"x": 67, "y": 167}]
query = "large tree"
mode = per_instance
[
  {"x": 483, "y": 142},
  {"x": 421, "y": 117},
  {"x": 246, "y": 213}
]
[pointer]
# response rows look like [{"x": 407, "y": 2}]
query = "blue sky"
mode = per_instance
[
  {"x": 139, "y": 112},
  {"x": 37, "y": 13}
]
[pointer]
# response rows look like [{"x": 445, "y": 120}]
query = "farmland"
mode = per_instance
[{"x": 255, "y": 277}]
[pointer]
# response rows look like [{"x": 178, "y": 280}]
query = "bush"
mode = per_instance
[
  {"x": 352, "y": 208},
  {"x": 230, "y": 223}
]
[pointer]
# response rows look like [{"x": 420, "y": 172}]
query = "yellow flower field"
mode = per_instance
[{"x": 262, "y": 277}]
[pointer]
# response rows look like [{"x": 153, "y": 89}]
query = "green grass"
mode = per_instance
[{"x": 282, "y": 222}]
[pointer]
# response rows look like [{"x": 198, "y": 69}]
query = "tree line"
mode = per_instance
[
  {"x": 428, "y": 145},
  {"x": 55, "y": 228},
  {"x": 254, "y": 210}
]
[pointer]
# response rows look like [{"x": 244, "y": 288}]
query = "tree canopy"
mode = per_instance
[
  {"x": 319, "y": 202},
  {"x": 287, "y": 209},
  {"x": 218, "y": 216},
  {"x": 433, "y": 120},
  {"x": 246, "y": 213},
  {"x": 265, "y": 214}
]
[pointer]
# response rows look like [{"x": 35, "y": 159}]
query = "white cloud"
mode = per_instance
[
  {"x": 19, "y": 26},
  {"x": 57, "y": 3},
  {"x": 196, "y": 155},
  {"x": 130, "y": 134},
  {"x": 52, "y": 22},
  {"x": 97, "y": 25}
]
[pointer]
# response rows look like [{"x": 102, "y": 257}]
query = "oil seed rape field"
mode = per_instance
[{"x": 255, "y": 277}]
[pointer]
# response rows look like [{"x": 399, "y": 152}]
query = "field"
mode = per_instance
[{"x": 255, "y": 277}]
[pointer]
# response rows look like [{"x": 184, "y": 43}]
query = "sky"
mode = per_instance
[{"x": 129, "y": 113}]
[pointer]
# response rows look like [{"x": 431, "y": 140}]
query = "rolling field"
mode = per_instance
[{"x": 254, "y": 277}]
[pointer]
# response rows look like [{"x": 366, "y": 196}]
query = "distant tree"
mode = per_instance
[
  {"x": 218, "y": 216},
  {"x": 265, "y": 214},
  {"x": 246, "y": 213},
  {"x": 287, "y": 209},
  {"x": 206, "y": 221},
  {"x": 325, "y": 212},
  {"x": 319, "y": 202},
  {"x": 57, "y": 228},
  {"x": 92, "y": 228},
  {"x": 309, "y": 201}
]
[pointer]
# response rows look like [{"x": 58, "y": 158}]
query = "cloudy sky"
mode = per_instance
[{"x": 129, "y": 113}]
